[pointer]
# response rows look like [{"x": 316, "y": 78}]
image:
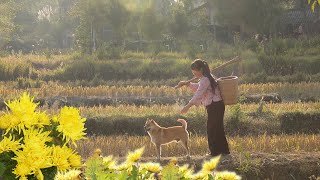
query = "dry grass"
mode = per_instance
[
  {"x": 120, "y": 145},
  {"x": 285, "y": 90},
  {"x": 171, "y": 110},
  {"x": 13, "y": 59}
]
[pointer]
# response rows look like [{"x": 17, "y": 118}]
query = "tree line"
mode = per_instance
[{"x": 87, "y": 25}]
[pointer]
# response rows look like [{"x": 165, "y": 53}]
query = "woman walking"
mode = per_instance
[{"x": 207, "y": 93}]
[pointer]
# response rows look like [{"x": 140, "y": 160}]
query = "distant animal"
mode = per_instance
[{"x": 271, "y": 98}]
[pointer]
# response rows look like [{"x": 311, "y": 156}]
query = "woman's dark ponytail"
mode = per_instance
[{"x": 199, "y": 64}]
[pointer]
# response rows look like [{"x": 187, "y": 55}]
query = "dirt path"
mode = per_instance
[{"x": 278, "y": 166}]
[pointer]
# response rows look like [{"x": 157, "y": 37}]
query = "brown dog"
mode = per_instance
[{"x": 161, "y": 135}]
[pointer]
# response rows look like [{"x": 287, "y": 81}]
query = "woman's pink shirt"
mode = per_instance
[{"x": 203, "y": 92}]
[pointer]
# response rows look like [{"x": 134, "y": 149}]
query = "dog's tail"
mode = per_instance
[{"x": 183, "y": 122}]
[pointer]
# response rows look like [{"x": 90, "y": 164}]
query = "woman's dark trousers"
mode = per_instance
[{"x": 215, "y": 130}]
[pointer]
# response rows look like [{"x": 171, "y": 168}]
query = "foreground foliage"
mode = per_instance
[
  {"x": 35, "y": 145},
  {"x": 99, "y": 167}
]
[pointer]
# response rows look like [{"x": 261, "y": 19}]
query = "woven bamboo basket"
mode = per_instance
[{"x": 229, "y": 89}]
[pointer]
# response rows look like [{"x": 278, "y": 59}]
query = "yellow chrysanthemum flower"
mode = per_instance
[
  {"x": 8, "y": 122},
  {"x": 71, "y": 125},
  {"x": 30, "y": 160},
  {"x": 34, "y": 154},
  {"x": 97, "y": 152},
  {"x": 8, "y": 144},
  {"x": 37, "y": 136},
  {"x": 124, "y": 166},
  {"x": 185, "y": 172},
  {"x": 199, "y": 176},
  {"x": 151, "y": 167},
  {"x": 25, "y": 104},
  {"x": 23, "y": 115},
  {"x": 109, "y": 162},
  {"x": 135, "y": 156},
  {"x": 75, "y": 160},
  {"x": 43, "y": 119},
  {"x": 60, "y": 157},
  {"x": 70, "y": 175},
  {"x": 22, "y": 170},
  {"x": 211, "y": 165},
  {"x": 5, "y": 121},
  {"x": 107, "y": 159},
  {"x": 23, "y": 111},
  {"x": 173, "y": 161},
  {"x": 226, "y": 175},
  {"x": 23, "y": 178}
]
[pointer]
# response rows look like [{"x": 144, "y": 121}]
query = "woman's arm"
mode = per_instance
[
  {"x": 203, "y": 86},
  {"x": 197, "y": 97},
  {"x": 185, "y": 83}
]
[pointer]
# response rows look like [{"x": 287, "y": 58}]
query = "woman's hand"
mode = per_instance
[
  {"x": 185, "y": 108},
  {"x": 181, "y": 83}
]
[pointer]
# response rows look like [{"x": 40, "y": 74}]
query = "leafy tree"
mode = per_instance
[
  {"x": 91, "y": 16},
  {"x": 94, "y": 16},
  {"x": 178, "y": 22},
  {"x": 252, "y": 15},
  {"x": 118, "y": 17},
  {"x": 35, "y": 24},
  {"x": 151, "y": 25},
  {"x": 6, "y": 21}
]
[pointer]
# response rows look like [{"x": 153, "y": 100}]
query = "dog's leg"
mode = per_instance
[
  {"x": 185, "y": 145},
  {"x": 158, "y": 148}
]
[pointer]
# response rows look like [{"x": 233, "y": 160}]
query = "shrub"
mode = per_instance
[
  {"x": 275, "y": 47},
  {"x": 155, "y": 48},
  {"x": 109, "y": 51},
  {"x": 5, "y": 73},
  {"x": 298, "y": 122},
  {"x": 8, "y": 72},
  {"x": 81, "y": 70},
  {"x": 191, "y": 49},
  {"x": 23, "y": 83},
  {"x": 276, "y": 65},
  {"x": 20, "y": 70},
  {"x": 253, "y": 45},
  {"x": 235, "y": 116}
]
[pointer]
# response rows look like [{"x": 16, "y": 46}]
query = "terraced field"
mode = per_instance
[{"x": 267, "y": 137}]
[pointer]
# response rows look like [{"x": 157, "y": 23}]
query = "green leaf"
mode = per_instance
[
  {"x": 170, "y": 172},
  {"x": 49, "y": 173},
  {"x": 2, "y": 168},
  {"x": 210, "y": 177},
  {"x": 134, "y": 173},
  {"x": 94, "y": 168},
  {"x": 123, "y": 175},
  {"x": 319, "y": 2},
  {"x": 8, "y": 164},
  {"x": 309, "y": 1}
]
